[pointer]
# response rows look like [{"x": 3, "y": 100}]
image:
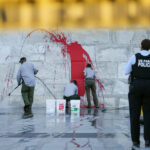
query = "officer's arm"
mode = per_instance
[{"x": 128, "y": 67}]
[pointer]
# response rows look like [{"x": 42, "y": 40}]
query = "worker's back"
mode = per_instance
[
  {"x": 27, "y": 72},
  {"x": 70, "y": 89}
]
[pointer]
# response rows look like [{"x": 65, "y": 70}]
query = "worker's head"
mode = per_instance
[
  {"x": 88, "y": 66},
  {"x": 145, "y": 44},
  {"x": 74, "y": 81},
  {"x": 22, "y": 60}
]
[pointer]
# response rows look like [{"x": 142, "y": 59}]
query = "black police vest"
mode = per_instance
[{"x": 141, "y": 69}]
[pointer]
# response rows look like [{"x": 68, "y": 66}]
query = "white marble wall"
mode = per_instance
[{"x": 108, "y": 49}]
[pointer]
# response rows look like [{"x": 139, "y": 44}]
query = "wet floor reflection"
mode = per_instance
[{"x": 86, "y": 129}]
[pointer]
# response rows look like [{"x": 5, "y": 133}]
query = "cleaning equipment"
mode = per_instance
[
  {"x": 46, "y": 87},
  {"x": 75, "y": 105},
  {"x": 14, "y": 89},
  {"x": 61, "y": 106},
  {"x": 75, "y": 110},
  {"x": 50, "y": 106},
  {"x": 115, "y": 108}
]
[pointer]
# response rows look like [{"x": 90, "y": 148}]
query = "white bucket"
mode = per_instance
[
  {"x": 61, "y": 106},
  {"x": 75, "y": 110},
  {"x": 75, "y": 105},
  {"x": 50, "y": 106}
]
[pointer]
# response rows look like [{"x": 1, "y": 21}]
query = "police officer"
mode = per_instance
[
  {"x": 90, "y": 84},
  {"x": 71, "y": 92},
  {"x": 26, "y": 73},
  {"x": 139, "y": 93}
]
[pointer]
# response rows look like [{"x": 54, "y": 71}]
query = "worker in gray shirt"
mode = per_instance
[
  {"x": 71, "y": 92},
  {"x": 90, "y": 84},
  {"x": 25, "y": 75}
]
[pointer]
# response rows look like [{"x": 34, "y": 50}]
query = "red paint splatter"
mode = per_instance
[
  {"x": 78, "y": 145},
  {"x": 78, "y": 56},
  {"x": 8, "y": 83},
  {"x": 79, "y": 59},
  {"x": 7, "y": 58},
  {"x": 48, "y": 48},
  {"x": 73, "y": 141}
]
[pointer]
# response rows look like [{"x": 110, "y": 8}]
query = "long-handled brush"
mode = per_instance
[
  {"x": 13, "y": 90},
  {"x": 114, "y": 108}
]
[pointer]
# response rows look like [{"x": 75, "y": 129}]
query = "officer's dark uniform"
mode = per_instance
[{"x": 139, "y": 96}]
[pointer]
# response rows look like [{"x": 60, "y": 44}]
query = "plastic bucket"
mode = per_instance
[
  {"x": 61, "y": 106},
  {"x": 75, "y": 105},
  {"x": 50, "y": 106},
  {"x": 75, "y": 110}
]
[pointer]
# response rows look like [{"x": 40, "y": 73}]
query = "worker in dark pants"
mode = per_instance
[
  {"x": 26, "y": 73},
  {"x": 139, "y": 93},
  {"x": 71, "y": 92},
  {"x": 90, "y": 85}
]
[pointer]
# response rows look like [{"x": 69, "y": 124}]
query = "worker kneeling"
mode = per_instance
[{"x": 71, "y": 92}]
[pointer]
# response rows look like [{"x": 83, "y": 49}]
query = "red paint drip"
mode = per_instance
[
  {"x": 75, "y": 143},
  {"x": 8, "y": 83},
  {"x": 74, "y": 139},
  {"x": 7, "y": 58},
  {"x": 48, "y": 48},
  {"x": 78, "y": 56}
]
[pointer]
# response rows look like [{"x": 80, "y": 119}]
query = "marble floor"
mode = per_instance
[{"x": 88, "y": 129}]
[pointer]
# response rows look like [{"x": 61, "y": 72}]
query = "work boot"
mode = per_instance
[
  {"x": 25, "y": 116},
  {"x": 27, "y": 112},
  {"x": 30, "y": 110}
]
